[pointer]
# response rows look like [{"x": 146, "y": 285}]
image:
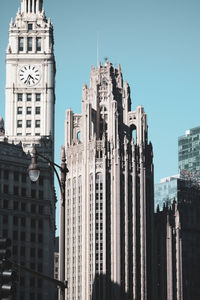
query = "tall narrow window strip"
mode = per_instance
[
  {"x": 30, "y": 44},
  {"x": 38, "y": 44},
  {"x": 40, "y": 5},
  {"x": 21, "y": 44}
]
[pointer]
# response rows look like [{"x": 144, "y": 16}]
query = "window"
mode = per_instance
[
  {"x": 40, "y": 267},
  {"x": 15, "y": 250},
  {"x": 41, "y": 180},
  {"x": 5, "y": 188},
  {"x": 5, "y": 233},
  {"x": 23, "y": 192},
  {"x": 28, "y": 97},
  {"x": 19, "y": 97},
  {"x": 23, "y": 206},
  {"x": 19, "y": 110},
  {"x": 16, "y": 205},
  {"x": 33, "y": 223},
  {"x": 32, "y": 237},
  {"x": 22, "y": 251},
  {"x": 40, "y": 253},
  {"x": 15, "y": 235},
  {"x": 28, "y": 123},
  {"x": 21, "y": 44},
  {"x": 28, "y": 110},
  {"x": 38, "y": 44},
  {"x": 39, "y": 283},
  {"x": 24, "y": 177},
  {"x": 30, "y": 26},
  {"x": 23, "y": 221},
  {"x": 19, "y": 123},
  {"x": 32, "y": 252},
  {"x": 15, "y": 220},
  {"x": 40, "y": 209},
  {"x": 16, "y": 176},
  {"x": 33, "y": 193},
  {"x": 23, "y": 236},
  {"x": 37, "y": 110},
  {"x": 16, "y": 191},
  {"x": 41, "y": 195},
  {"x": 38, "y": 96},
  {"x": 32, "y": 282},
  {"x": 6, "y": 174},
  {"x": 37, "y": 123},
  {"x": 40, "y": 224},
  {"x": 30, "y": 44},
  {"x": 33, "y": 208},
  {"x": 5, "y": 219},
  {"x": 40, "y": 238}
]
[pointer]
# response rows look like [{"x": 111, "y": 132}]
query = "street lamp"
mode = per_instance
[
  {"x": 34, "y": 173},
  {"x": 34, "y": 170}
]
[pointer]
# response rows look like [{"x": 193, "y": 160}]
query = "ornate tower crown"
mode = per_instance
[{"x": 31, "y": 6}]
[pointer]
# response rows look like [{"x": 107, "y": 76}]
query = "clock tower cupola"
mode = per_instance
[
  {"x": 30, "y": 76},
  {"x": 31, "y": 6}
]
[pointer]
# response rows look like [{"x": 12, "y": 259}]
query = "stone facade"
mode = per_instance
[
  {"x": 30, "y": 76},
  {"x": 178, "y": 245},
  {"x": 27, "y": 218},
  {"x": 109, "y": 194}
]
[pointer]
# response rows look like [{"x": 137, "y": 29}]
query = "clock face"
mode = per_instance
[{"x": 29, "y": 75}]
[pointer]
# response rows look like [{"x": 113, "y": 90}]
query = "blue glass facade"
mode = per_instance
[
  {"x": 165, "y": 191},
  {"x": 189, "y": 150}
]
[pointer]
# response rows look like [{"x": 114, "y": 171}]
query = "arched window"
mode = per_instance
[{"x": 103, "y": 120}]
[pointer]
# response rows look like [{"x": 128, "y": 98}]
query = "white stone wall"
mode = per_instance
[
  {"x": 42, "y": 60},
  {"x": 119, "y": 167}
]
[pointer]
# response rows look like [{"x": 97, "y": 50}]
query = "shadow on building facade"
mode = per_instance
[{"x": 104, "y": 288}]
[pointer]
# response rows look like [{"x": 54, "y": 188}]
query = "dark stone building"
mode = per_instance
[
  {"x": 27, "y": 217},
  {"x": 178, "y": 245}
]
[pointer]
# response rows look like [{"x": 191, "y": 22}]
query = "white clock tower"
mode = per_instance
[{"x": 30, "y": 76}]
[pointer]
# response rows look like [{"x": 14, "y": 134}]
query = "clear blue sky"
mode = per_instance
[{"x": 157, "y": 43}]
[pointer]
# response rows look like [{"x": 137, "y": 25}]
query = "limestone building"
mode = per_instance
[
  {"x": 109, "y": 194},
  {"x": 28, "y": 217},
  {"x": 30, "y": 76}
]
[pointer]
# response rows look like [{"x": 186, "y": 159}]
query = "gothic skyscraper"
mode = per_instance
[{"x": 109, "y": 194}]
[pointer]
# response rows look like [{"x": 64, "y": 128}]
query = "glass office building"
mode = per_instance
[
  {"x": 166, "y": 191},
  {"x": 189, "y": 151}
]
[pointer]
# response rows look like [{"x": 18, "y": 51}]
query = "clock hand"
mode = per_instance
[{"x": 27, "y": 80}]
